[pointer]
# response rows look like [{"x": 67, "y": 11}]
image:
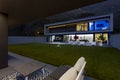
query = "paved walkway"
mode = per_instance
[{"x": 15, "y": 60}]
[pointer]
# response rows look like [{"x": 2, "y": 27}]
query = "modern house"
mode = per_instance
[
  {"x": 96, "y": 22},
  {"x": 103, "y": 8},
  {"x": 91, "y": 29}
]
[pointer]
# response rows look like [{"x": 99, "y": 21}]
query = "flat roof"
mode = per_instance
[{"x": 78, "y": 20}]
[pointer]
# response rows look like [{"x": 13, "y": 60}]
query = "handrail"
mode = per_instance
[{"x": 80, "y": 72}]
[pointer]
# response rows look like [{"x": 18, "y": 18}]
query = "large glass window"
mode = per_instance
[
  {"x": 57, "y": 38},
  {"x": 86, "y": 37},
  {"x": 81, "y": 37},
  {"x": 82, "y": 27},
  {"x": 101, "y": 37},
  {"x": 101, "y": 25},
  {"x": 91, "y": 26},
  {"x": 64, "y": 28}
]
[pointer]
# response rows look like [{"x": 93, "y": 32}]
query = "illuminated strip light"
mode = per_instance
[
  {"x": 76, "y": 23},
  {"x": 56, "y": 26},
  {"x": 61, "y": 26}
]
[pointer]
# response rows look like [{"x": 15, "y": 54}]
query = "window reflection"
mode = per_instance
[
  {"x": 101, "y": 37},
  {"x": 82, "y": 27}
]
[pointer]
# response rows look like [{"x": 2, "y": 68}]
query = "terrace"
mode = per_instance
[
  {"x": 102, "y": 62},
  {"x": 23, "y": 68}
]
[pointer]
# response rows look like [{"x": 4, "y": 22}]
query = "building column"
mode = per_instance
[
  {"x": 108, "y": 42},
  {"x": 3, "y": 40},
  {"x": 93, "y": 37}
]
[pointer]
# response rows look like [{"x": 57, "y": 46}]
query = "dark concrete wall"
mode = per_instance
[
  {"x": 21, "y": 40},
  {"x": 115, "y": 40},
  {"x": 3, "y": 41}
]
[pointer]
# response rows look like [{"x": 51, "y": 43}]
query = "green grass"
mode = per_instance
[{"x": 102, "y": 63}]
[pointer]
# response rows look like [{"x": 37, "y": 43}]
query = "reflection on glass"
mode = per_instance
[
  {"x": 82, "y": 27},
  {"x": 101, "y": 25},
  {"x": 101, "y": 37},
  {"x": 91, "y": 26}
]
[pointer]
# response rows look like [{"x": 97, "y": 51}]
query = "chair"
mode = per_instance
[
  {"x": 66, "y": 72},
  {"x": 71, "y": 74},
  {"x": 78, "y": 65},
  {"x": 55, "y": 75},
  {"x": 76, "y": 72},
  {"x": 81, "y": 73}
]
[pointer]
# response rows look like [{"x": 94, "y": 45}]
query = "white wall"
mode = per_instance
[{"x": 20, "y": 40}]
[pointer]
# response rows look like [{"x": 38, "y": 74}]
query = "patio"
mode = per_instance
[
  {"x": 20, "y": 68},
  {"x": 23, "y": 68}
]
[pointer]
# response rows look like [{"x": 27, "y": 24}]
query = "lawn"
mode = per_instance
[{"x": 102, "y": 63}]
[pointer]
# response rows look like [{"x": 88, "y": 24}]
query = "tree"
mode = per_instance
[{"x": 101, "y": 37}]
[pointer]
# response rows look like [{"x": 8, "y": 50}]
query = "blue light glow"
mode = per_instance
[
  {"x": 91, "y": 26},
  {"x": 101, "y": 25}
]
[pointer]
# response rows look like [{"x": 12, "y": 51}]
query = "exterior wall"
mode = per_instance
[
  {"x": 102, "y": 8},
  {"x": 89, "y": 19},
  {"x": 21, "y": 40},
  {"x": 110, "y": 16},
  {"x": 115, "y": 40},
  {"x": 3, "y": 41}
]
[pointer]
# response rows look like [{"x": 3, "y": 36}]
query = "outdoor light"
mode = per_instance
[{"x": 38, "y": 33}]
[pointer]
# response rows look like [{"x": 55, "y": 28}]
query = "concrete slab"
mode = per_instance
[
  {"x": 15, "y": 62},
  {"x": 28, "y": 68},
  {"x": 21, "y": 64}
]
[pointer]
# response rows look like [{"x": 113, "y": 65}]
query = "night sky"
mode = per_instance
[{"x": 23, "y": 11}]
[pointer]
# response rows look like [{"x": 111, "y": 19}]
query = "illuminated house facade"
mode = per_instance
[{"x": 92, "y": 29}]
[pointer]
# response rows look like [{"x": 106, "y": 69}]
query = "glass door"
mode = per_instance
[{"x": 101, "y": 38}]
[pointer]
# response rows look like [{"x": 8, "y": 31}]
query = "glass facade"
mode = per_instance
[
  {"x": 81, "y": 37},
  {"x": 101, "y": 25},
  {"x": 63, "y": 28},
  {"x": 101, "y": 37},
  {"x": 97, "y": 37},
  {"x": 82, "y": 27},
  {"x": 91, "y": 26},
  {"x": 94, "y": 30},
  {"x": 85, "y": 26},
  {"x": 71, "y": 37}
]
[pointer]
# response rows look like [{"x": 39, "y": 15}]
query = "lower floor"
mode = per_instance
[{"x": 95, "y": 37}]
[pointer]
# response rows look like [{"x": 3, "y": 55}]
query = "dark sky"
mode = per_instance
[{"x": 22, "y": 11}]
